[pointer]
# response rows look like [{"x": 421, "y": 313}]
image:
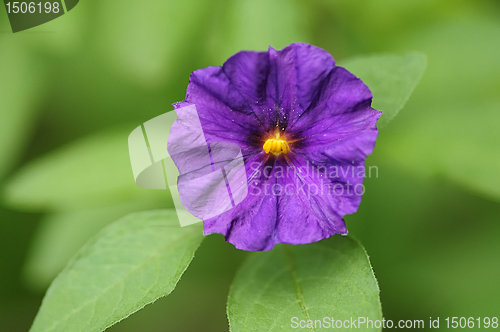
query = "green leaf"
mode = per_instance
[
  {"x": 331, "y": 278},
  {"x": 20, "y": 84},
  {"x": 450, "y": 128},
  {"x": 445, "y": 242},
  {"x": 391, "y": 78},
  {"x": 93, "y": 171},
  {"x": 460, "y": 144},
  {"x": 61, "y": 234},
  {"x": 130, "y": 264}
]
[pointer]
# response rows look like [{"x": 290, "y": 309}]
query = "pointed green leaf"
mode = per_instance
[
  {"x": 391, "y": 78},
  {"x": 130, "y": 264},
  {"x": 331, "y": 278},
  {"x": 61, "y": 234}
]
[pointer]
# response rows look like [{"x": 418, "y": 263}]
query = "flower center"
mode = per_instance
[{"x": 276, "y": 145}]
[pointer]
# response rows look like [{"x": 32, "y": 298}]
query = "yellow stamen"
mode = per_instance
[
  {"x": 276, "y": 145},
  {"x": 267, "y": 146}
]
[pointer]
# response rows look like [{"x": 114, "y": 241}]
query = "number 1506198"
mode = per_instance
[
  {"x": 471, "y": 322},
  {"x": 32, "y": 7}
]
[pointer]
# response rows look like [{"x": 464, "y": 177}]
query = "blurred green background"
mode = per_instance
[{"x": 73, "y": 89}]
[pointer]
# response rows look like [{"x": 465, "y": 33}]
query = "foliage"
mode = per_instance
[{"x": 71, "y": 91}]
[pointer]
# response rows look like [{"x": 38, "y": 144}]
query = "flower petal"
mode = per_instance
[
  {"x": 295, "y": 201},
  {"x": 297, "y": 72},
  {"x": 224, "y": 114},
  {"x": 251, "y": 225},
  {"x": 341, "y": 110}
]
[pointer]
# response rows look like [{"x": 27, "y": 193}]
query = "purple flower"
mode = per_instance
[{"x": 304, "y": 127}]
